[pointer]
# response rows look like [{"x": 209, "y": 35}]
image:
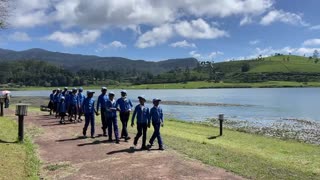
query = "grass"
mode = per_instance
[
  {"x": 18, "y": 160},
  {"x": 196, "y": 85},
  {"x": 249, "y": 155},
  {"x": 54, "y": 167}
]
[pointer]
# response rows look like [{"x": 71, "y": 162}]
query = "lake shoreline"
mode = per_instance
[{"x": 189, "y": 85}]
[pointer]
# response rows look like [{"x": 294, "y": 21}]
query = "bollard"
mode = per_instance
[
  {"x": 2, "y": 99},
  {"x": 221, "y": 118},
  {"x": 21, "y": 111}
]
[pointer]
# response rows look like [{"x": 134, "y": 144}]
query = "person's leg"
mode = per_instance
[
  {"x": 103, "y": 121},
  {"x": 122, "y": 121},
  {"x": 86, "y": 124},
  {"x": 144, "y": 138},
  {"x": 125, "y": 125},
  {"x": 109, "y": 121},
  {"x": 92, "y": 124},
  {"x": 159, "y": 137},
  {"x": 139, "y": 134},
  {"x": 154, "y": 135},
  {"x": 115, "y": 128}
]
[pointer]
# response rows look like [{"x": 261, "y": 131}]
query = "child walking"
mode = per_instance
[
  {"x": 156, "y": 116},
  {"x": 143, "y": 121},
  {"x": 62, "y": 109},
  {"x": 89, "y": 111},
  {"x": 112, "y": 120}
]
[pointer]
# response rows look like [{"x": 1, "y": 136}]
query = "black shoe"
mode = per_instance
[
  {"x": 144, "y": 148},
  {"x": 61, "y": 122},
  {"x": 161, "y": 148},
  {"x": 127, "y": 138},
  {"x": 117, "y": 142},
  {"x": 93, "y": 137},
  {"x": 109, "y": 140},
  {"x": 105, "y": 135},
  {"x": 149, "y": 146}
]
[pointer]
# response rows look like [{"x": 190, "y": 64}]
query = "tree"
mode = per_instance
[
  {"x": 245, "y": 67},
  {"x": 315, "y": 54},
  {"x": 4, "y": 6}
]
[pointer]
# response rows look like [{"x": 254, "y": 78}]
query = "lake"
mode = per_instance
[{"x": 262, "y": 106}]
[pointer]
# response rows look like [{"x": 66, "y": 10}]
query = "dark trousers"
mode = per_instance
[
  {"x": 89, "y": 119},
  {"x": 124, "y": 117},
  {"x": 156, "y": 134},
  {"x": 142, "y": 130},
  {"x": 104, "y": 121},
  {"x": 113, "y": 122},
  {"x": 73, "y": 111}
]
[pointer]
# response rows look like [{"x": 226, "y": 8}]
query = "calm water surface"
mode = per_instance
[{"x": 266, "y": 105}]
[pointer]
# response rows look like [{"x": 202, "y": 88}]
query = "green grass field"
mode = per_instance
[
  {"x": 17, "y": 160},
  {"x": 249, "y": 155}
]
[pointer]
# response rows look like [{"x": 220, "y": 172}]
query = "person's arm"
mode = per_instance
[
  {"x": 96, "y": 111},
  {"x": 133, "y": 116},
  {"x": 161, "y": 117},
  {"x": 98, "y": 103},
  {"x": 130, "y": 104},
  {"x": 117, "y": 104},
  {"x": 149, "y": 114}
]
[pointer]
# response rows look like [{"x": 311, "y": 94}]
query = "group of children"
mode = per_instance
[{"x": 75, "y": 103}]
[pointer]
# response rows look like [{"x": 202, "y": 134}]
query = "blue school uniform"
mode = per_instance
[
  {"x": 124, "y": 104},
  {"x": 89, "y": 110},
  {"x": 62, "y": 107},
  {"x": 143, "y": 120},
  {"x": 102, "y": 100},
  {"x": 156, "y": 116},
  {"x": 111, "y": 115}
]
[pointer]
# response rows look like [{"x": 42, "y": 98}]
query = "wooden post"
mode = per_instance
[
  {"x": 221, "y": 118},
  {"x": 20, "y": 130},
  {"x": 1, "y": 109}
]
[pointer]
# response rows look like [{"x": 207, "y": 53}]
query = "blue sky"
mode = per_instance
[{"x": 156, "y": 30}]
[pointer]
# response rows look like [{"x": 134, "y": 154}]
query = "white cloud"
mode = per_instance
[
  {"x": 245, "y": 20},
  {"x": 198, "y": 29},
  {"x": 282, "y": 16},
  {"x": 209, "y": 56},
  {"x": 312, "y": 42},
  {"x": 156, "y": 36},
  {"x": 285, "y": 50},
  {"x": 316, "y": 27},
  {"x": 183, "y": 44},
  {"x": 19, "y": 36},
  {"x": 113, "y": 44},
  {"x": 129, "y": 13},
  {"x": 254, "y": 42},
  {"x": 73, "y": 39}
]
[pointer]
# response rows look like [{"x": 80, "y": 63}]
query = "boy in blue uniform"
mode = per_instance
[
  {"x": 56, "y": 100},
  {"x": 62, "y": 109},
  {"x": 102, "y": 100},
  {"x": 111, "y": 115},
  {"x": 89, "y": 111},
  {"x": 73, "y": 104},
  {"x": 125, "y": 107},
  {"x": 51, "y": 102},
  {"x": 143, "y": 121},
  {"x": 156, "y": 116},
  {"x": 81, "y": 98}
]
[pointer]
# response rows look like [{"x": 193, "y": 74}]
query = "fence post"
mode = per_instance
[{"x": 221, "y": 118}]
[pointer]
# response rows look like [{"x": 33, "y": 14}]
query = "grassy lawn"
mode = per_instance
[
  {"x": 196, "y": 85},
  {"x": 18, "y": 160},
  {"x": 249, "y": 155}
]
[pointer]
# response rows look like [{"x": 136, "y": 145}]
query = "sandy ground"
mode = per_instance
[{"x": 66, "y": 155}]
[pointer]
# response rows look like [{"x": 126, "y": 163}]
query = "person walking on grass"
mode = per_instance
[
  {"x": 111, "y": 115},
  {"x": 102, "y": 100},
  {"x": 89, "y": 111},
  {"x": 81, "y": 98},
  {"x": 156, "y": 117},
  {"x": 125, "y": 106},
  {"x": 143, "y": 121},
  {"x": 62, "y": 110}
]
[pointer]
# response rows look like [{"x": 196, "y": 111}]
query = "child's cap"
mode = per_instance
[
  {"x": 103, "y": 88},
  {"x": 58, "y": 89},
  {"x": 123, "y": 92},
  {"x": 90, "y": 92},
  {"x": 80, "y": 89},
  {"x": 74, "y": 89},
  {"x": 156, "y": 99},
  {"x": 111, "y": 93},
  {"x": 65, "y": 88},
  {"x": 62, "y": 97},
  {"x": 142, "y": 97}
]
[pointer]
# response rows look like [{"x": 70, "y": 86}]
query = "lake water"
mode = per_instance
[{"x": 264, "y": 106}]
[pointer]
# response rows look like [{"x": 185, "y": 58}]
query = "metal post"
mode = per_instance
[
  {"x": 20, "y": 131},
  {"x": 221, "y": 118},
  {"x": 1, "y": 109}
]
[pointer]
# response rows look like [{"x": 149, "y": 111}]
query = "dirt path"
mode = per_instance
[{"x": 65, "y": 155}]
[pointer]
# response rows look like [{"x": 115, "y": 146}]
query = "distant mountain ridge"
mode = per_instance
[{"x": 76, "y": 62}]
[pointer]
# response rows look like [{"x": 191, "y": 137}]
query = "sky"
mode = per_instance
[{"x": 154, "y": 30}]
